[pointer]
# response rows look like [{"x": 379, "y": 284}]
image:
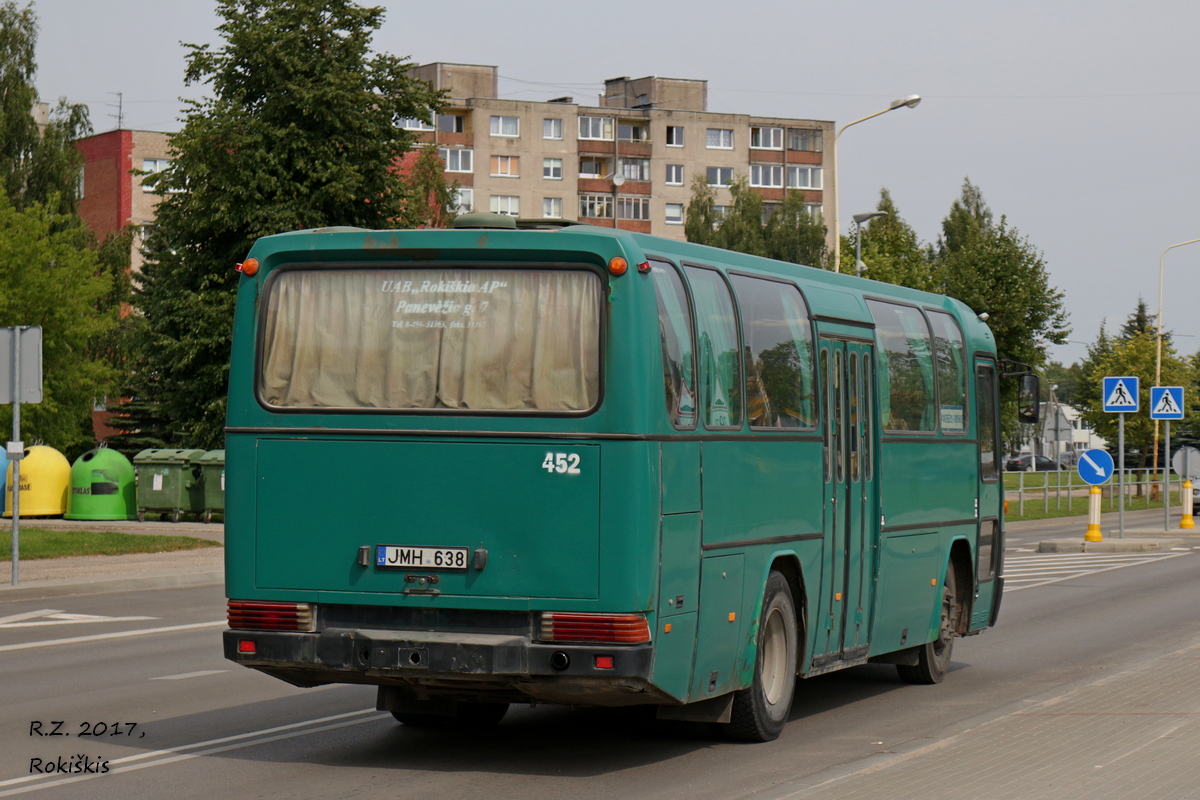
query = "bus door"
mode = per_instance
[{"x": 849, "y": 442}]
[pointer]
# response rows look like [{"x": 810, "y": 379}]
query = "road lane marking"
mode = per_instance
[
  {"x": 1028, "y": 572},
  {"x": 96, "y": 637},
  {"x": 29, "y": 615},
  {"x": 67, "y": 619},
  {"x": 174, "y": 754},
  {"x": 183, "y": 675}
]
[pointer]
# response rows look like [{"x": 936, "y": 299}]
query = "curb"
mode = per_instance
[
  {"x": 1138, "y": 545},
  {"x": 64, "y": 588}
]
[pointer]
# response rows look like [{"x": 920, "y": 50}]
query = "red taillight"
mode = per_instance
[
  {"x": 604, "y": 662},
  {"x": 606, "y": 628},
  {"x": 259, "y": 616},
  {"x": 247, "y": 646}
]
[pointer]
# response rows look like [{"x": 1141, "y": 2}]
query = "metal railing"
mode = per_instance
[{"x": 1065, "y": 484}]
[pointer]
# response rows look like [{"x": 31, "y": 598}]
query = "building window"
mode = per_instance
[
  {"x": 452, "y": 123},
  {"x": 675, "y": 174},
  {"x": 552, "y": 207},
  {"x": 457, "y": 159},
  {"x": 631, "y": 132},
  {"x": 766, "y": 175},
  {"x": 152, "y": 166},
  {"x": 464, "y": 200},
  {"x": 804, "y": 139},
  {"x": 674, "y": 213},
  {"x": 635, "y": 169},
  {"x": 506, "y": 204},
  {"x": 804, "y": 177},
  {"x": 766, "y": 138},
  {"x": 415, "y": 124},
  {"x": 597, "y": 206},
  {"x": 674, "y": 136},
  {"x": 815, "y": 211},
  {"x": 506, "y": 126},
  {"x": 593, "y": 167},
  {"x": 552, "y": 128},
  {"x": 552, "y": 169},
  {"x": 719, "y": 139},
  {"x": 506, "y": 166},
  {"x": 633, "y": 208},
  {"x": 596, "y": 128},
  {"x": 720, "y": 176},
  {"x": 79, "y": 186}
]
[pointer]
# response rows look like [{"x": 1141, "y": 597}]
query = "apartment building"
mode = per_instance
[
  {"x": 114, "y": 195},
  {"x": 627, "y": 161}
]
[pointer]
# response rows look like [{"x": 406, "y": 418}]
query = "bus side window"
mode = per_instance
[
  {"x": 906, "y": 382},
  {"x": 778, "y": 354},
  {"x": 675, "y": 332},
  {"x": 717, "y": 346},
  {"x": 985, "y": 397},
  {"x": 950, "y": 360}
]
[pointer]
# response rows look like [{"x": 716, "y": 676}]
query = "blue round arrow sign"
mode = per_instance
[{"x": 1095, "y": 466}]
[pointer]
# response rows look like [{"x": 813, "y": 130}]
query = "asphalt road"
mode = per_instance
[{"x": 206, "y": 728}]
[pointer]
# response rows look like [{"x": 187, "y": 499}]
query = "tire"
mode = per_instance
[
  {"x": 934, "y": 657},
  {"x": 176, "y": 515},
  {"x": 207, "y": 517},
  {"x": 141, "y": 516},
  {"x": 760, "y": 711},
  {"x": 468, "y": 715}
]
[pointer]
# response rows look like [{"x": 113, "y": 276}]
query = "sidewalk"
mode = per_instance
[
  {"x": 58, "y": 577},
  {"x": 1131, "y": 735}
]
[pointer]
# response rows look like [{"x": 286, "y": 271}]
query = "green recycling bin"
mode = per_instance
[
  {"x": 212, "y": 468},
  {"x": 102, "y": 487},
  {"x": 169, "y": 482}
]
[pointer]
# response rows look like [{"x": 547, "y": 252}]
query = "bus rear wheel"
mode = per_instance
[
  {"x": 467, "y": 715},
  {"x": 933, "y": 660},
  {"x": 760, "y": 711}
]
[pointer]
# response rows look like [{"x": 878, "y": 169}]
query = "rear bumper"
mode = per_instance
[{"x": 346, "y": 655}]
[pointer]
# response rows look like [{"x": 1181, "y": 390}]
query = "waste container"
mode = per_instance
[
  {"x": 102, "y": 487},
  {"x": 45, "y": 476},
  {"x": 169, "y": 482},
  {"x": 212, "y": 468}
]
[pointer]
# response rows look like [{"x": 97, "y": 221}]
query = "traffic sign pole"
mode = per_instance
[
  {"x": 1166, "y": 479},
  {"x": 1121, "y": 475}
]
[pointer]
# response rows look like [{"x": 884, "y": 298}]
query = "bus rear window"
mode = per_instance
[{"x": 425, "y": 339}]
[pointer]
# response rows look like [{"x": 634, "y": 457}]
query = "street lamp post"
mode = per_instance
[
  {"x": 859, "y": 219},
  {"x": 904, "y": 102},
  {"x": 1158, "y": 344}
]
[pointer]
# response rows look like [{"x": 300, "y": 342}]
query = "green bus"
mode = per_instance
[{"x": 568, "y": 464}]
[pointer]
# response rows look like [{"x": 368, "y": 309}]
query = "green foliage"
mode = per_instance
[
  {"x": 37, "y": 543},
  {"x": 35, "y": 167},
  {"x": 302, "y": 133},
  {"x": 52, "y": 278},
  {"x": 789, "y": 233},
  {"x": 1134, "y": 356},
  {"x": 891, "y": 250},
  {"x": 431, "y": 200}
]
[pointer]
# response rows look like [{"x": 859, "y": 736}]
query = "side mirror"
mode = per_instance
[{"x": 1028, "y": 399}]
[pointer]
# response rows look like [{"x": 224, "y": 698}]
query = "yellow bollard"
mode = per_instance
[
  {"x": 1185, "y": 520},
  {"x": 1093, "y": 530}
]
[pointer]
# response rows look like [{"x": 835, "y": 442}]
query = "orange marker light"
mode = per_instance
[
  {"x": 732, "y": 616},
  {"x": 618, "y": 265},
  {"x": 667, "y": 628},
  {"x": 249, "y": 267}
]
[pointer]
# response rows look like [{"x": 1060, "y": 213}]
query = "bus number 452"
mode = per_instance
[{"x": 562, "y": 463}]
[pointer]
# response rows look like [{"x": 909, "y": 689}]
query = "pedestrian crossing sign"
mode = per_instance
[
  {"x": 1120, "y": 394},
  {"x": 1166, "y": 402}
]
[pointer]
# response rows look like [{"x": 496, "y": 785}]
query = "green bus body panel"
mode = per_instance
[
  {"x": 761, "y": 490},
  {"x": 719, "y": 637},
  {"x": 679, "y": 581},
  {"x": 910, "y": 580},
  {"x": 325, "y": 499},
  {"x": 925, "y": 482},
  {"x": 673, "y": 653},
  {"x": 680, "y": 477}
]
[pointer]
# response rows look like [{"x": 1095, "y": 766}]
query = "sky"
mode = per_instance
[{"x": 1077, "y": 119}]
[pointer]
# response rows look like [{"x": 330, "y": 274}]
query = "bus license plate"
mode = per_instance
[{"x": 400, "y": 556}]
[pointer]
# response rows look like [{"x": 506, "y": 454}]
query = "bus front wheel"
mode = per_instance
[
  {"x": 760, "y": 711},
  {"x": 933, "y": 661}
]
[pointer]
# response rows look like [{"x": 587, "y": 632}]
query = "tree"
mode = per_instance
[
  {"x": 303, "y": 132},
  {"x": 432, "y": 200},
  {"x": 35, "y": 166},
  {"x": 53, "y": 279},
  {"x": 891, "y": 250},
  {"x": 994, "y": 270},
  {"x": 788, "y": 233},
  {"x": 1134, "y": 356}
]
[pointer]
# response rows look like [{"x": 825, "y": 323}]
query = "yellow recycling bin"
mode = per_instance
[{"x": 45, "y": 479}]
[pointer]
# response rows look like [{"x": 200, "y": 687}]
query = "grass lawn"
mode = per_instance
[{"x": 37, "y": 544}]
